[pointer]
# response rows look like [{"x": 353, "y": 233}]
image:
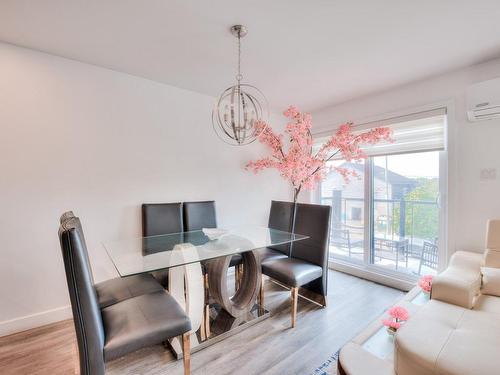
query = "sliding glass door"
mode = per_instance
[
  {"x": 347, "y": 232},
  {"x": 388, "y": 219},
  {"x": 405, "y": 212},
  {"x": 389, "y": 214}
]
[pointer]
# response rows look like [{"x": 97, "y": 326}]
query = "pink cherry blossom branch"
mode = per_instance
[{"x": 298, "y": 164}]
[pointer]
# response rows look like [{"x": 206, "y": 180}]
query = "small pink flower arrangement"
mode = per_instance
[
  {"x": 397, "y": 315},
  {"x": 425, "y": 283}
]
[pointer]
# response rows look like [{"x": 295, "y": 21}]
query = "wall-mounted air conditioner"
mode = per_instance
[{"x": 483, "y": 100}]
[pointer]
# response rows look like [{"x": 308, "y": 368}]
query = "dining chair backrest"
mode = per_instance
[
  {"x": 198, "y": 215},
  {"x": 65, "y": 216},
  {"x": 312, "y": 220},
  {"x": 161, "y": 218},
  {"x": 281, "y": 218},
  {"x": 84, "y": 303},
  {"x": 70, "y": 215}
]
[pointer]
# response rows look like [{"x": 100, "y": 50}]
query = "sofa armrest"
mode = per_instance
[
  {"x": 460, "y": 283},
  {"x": 454, "y": 290}
]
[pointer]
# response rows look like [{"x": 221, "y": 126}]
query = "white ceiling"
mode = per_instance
[{"x": 308, "y": 53}]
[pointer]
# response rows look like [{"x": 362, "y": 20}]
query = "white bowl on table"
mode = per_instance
[{"x": 214, "y": 233}]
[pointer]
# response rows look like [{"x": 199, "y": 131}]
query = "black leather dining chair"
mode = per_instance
[
  {"x": 106, "y": 333},
  {"x": 158, "y": 219},
  {"x": 161, "y": 218},
  {"x": 280, "y": 218},
  {"x": 307, "y": 267},
  {"x": 118, "y": 289},
  {"x": 199, "y": 215}
]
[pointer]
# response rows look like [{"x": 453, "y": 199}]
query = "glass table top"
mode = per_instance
[{"x": 145, "y": 254}]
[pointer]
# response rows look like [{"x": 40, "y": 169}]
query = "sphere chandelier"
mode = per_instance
[{"x": 239, "y": 107}]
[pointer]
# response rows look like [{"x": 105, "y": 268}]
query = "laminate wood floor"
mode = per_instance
[{"x": 270, "y": 347}]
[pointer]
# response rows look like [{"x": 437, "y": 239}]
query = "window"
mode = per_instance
[
  {"x": 347, "y": 232},
  {"x": 356, "y": 213},
  {"x": 405, "y": 212},
  {"x": 388, "y": 217}
]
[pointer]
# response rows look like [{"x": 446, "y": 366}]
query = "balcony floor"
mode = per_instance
[{"x": 357, "y": 257}]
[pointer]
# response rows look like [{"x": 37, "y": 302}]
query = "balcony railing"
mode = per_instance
[{"x": 409, "y": 227}]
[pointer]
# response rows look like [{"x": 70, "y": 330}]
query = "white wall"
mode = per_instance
[
  {"x": 471, "y": 146},
  {"x": 98, "y": 142}
]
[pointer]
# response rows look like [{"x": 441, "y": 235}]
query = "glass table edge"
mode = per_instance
[{"x": 128, "y": 274}]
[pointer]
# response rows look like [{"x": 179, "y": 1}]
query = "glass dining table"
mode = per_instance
[{"x": 197, "y": 268}]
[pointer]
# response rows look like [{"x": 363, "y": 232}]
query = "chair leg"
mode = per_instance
[
  {"x": 207, "y": 321},
  {"x": 261, "y": 292},
  {"x": 295, "y": 295},
  {"x": 186, "y": 353},
  {"x": 207, "y": 307},
  {"x": 203, "y": 333}
]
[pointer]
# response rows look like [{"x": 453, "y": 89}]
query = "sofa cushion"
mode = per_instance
[
  {"x": 493, "y": 234},
  {"x": 492, "y": 253},
  {"x": 488, "y": 304},
  {"x": 491, "y": 281},
  {"x": 472, "y": 348},
  {"x": 421, "y": 338},
  {"x": 492, "y": 258},
  {"x": 446, "y": 339}
]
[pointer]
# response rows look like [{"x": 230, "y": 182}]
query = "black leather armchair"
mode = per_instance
[
  {"x": 106, "y": 333},
  {"x": 158, "y": 219},
  {"x": 307, "y": 267}
]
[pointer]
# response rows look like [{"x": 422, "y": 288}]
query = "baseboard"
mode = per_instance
[
  {"x": 8, "y": 327},
  {"x": 388, "y": 280}
]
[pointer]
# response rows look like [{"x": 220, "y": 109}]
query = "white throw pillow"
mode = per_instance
[{"x": 491, "y": 281}]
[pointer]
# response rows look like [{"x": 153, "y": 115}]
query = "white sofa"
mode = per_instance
[{"x": 456, "y": 333}]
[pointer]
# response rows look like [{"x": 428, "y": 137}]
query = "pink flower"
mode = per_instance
[
  {"x": 391, "y": 323},
  {"x": 425, "y": 283},
  {"x": 399, "y": 313},
  {"x": 298, "y": 163},
  {"x": 291, "y": 112}
]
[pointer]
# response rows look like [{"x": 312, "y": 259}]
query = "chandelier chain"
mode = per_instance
[{"x": 239, "y": 77}]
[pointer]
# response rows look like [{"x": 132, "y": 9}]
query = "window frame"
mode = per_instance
[{"x": 379, "y": 274}]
